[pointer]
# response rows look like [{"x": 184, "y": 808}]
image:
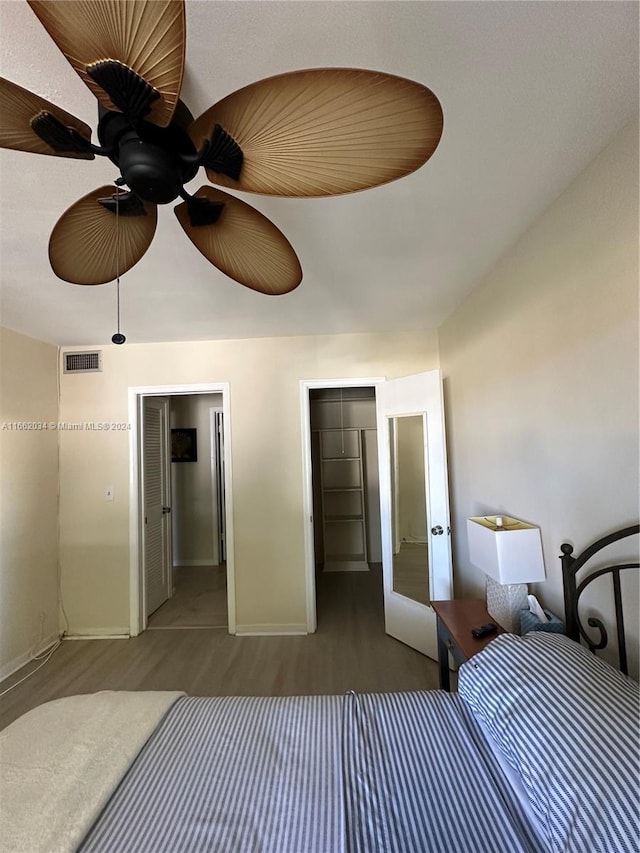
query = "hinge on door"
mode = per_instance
[{"x": 145, "y": 519}]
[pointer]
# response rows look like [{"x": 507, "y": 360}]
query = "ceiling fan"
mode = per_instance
[{"x": 307, "y": 133}]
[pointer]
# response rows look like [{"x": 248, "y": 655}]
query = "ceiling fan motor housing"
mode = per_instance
[
  {"x": 151, "y": 159},
  {"x": 153, "y": 173}
]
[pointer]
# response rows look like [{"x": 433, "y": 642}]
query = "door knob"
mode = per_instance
[{"x": 438, "y": 530}]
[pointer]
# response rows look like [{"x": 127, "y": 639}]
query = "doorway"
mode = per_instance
[
  {"x": 197, "y": 597},
  {"x": 346, "y": 507},
  {"x": 411, "y": 459},
  {"x": 197, "y": 511},
  {"x": 342, "y": 533},
  {"x": 344, "y": 461}
]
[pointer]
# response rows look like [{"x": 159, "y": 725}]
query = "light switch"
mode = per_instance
[{"x": 109, "y": 493}]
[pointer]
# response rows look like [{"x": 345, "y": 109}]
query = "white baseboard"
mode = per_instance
[
  {"x": 294, "y": 629},
  {"x": 18, "y": 662},
  {"x": 98, "y": 634},
  {"x": 178, "y": 563}
]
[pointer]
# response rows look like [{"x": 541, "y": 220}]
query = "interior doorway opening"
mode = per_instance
[
  {"x": 197, "y": 595},
  {"x": 181, "y": 568},
  {"x": 410, "y": 461},
  {"x": 340, "y": 454},
  {"x": 346, "y": 495}
]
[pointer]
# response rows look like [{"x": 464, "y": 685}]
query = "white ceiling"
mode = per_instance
[{"x": 531, "y": 92}]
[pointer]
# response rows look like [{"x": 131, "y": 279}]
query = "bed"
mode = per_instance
[{"x": 537, "y": 751}]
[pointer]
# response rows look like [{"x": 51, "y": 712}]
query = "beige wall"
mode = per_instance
[
  {"x": 541, "y": 373},
  {"x": 268, "y": 518},
  {"x": 28, "y": 499}
]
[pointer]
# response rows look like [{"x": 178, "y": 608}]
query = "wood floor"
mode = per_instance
[
  {"x": 199, "y": 599},
  {"x": 349, "y": 651}
]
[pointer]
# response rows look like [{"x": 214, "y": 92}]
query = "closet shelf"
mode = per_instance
[{"x": 343, "y": 500}]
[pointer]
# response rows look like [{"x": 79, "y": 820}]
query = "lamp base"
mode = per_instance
[{"x": 504, "y": 603}]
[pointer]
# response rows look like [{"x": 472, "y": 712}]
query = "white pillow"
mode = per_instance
[{"x": 567, "y": 723}]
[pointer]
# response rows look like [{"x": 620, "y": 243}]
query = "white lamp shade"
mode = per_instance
[{"x": 509, "y": 553}]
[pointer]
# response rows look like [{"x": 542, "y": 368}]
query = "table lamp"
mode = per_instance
[{"x": 509, "y": 552}]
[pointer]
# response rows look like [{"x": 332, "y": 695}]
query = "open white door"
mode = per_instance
[
  {"x": 414, "y": 506},
  {"x": 156, "y": 492}
]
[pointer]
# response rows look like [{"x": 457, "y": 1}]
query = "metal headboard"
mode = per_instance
[{"x": 572, "y": 591}]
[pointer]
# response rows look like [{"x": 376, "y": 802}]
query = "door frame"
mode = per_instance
[
  {"x": 137, "y": 616},
  {"x": 306, "y": 385},
  {"x": 213, "y": 454}
]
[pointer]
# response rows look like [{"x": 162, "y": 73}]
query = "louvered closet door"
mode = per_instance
[{"x": 156, "y": 491}]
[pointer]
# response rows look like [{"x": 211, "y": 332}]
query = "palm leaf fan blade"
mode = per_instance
[
  {"x": 243, "y": 244},
  {"x": 91, "y": 244},
  {"x": 145, "y": 36},
  {"x": 21, "y": 111},
  {"x": 325, "y": 131}
]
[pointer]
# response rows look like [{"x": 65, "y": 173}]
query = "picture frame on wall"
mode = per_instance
[{"x": 184, "y": 446}]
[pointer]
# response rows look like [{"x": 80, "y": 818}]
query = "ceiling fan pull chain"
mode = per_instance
[{"x": 118, "y": 338}]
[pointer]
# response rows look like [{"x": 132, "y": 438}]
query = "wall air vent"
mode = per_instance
[{"x": 83, "y": 362}]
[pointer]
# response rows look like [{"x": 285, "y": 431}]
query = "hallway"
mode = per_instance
[{"x": 199, "y": 599}]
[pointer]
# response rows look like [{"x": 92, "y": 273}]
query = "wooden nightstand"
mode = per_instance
[{"x": 455, "y": 621}]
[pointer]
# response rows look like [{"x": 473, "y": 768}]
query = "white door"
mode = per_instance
[
  {"x": 156, "y": 505},
  {"x": 414, "y": 507}
]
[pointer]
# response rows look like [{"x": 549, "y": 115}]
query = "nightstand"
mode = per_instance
[{"x": 455, "y": 620}]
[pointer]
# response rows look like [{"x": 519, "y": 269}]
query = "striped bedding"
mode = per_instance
[
  {"x": 567, "y": 724},
  {"x": 418, "y": 776},
  {"x": 232, "y": 774},
  {"x": 375, "y": 773}
]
